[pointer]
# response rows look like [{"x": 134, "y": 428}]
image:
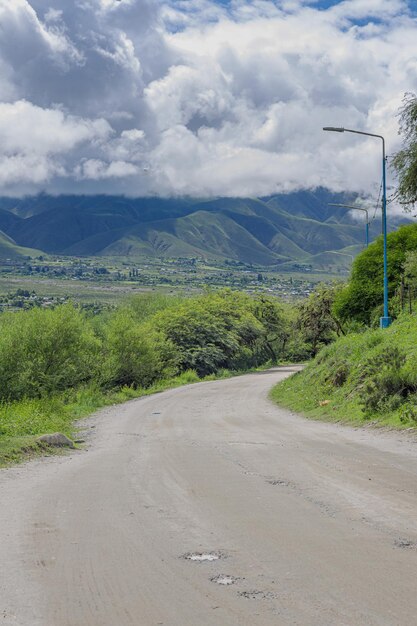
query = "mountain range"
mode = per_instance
[{"x": 280, "y": 230}]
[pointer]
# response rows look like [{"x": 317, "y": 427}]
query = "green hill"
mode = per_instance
[
  {"x": 10, "y": 250},
  {"x": 277, "y": 231}
]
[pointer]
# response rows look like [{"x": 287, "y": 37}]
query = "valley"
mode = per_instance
[
  {"x": 98, "y": 249},
  {"x": 105, "y": 281}
]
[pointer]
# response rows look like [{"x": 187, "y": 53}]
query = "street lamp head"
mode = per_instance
[{"x": 335, "y": 129}]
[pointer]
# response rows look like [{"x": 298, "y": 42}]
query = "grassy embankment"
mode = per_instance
[{"x": 360, "y": 378}]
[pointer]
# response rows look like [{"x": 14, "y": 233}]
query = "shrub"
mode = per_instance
[
  {"x": 134, "y": 354},
  {"x": 408, "y": 411},
  {"x": 340, "y": 374},
  {"x": 387, "y": 381},
  {"x": 45, "y": 351}
]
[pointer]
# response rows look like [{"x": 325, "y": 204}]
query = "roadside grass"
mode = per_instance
[
  {"x": 363, "y": 378},
  {"x": 23, "y": 421}
]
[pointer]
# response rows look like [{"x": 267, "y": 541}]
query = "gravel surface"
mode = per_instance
[{"x": 307, "y": 523}]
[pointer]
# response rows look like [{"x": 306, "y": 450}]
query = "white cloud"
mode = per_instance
[
  {"x": 33, "y": 170},
  {"x": 35, "y": 142},
  {"x": 28, "y": 129},
  {"x": 362, "y": 9},
  {"x": 23, "y": 34},
  {"x": 95, "y": 169},
  {"x": 210, "y": 98},
  {"x": 282, "y": 79}
]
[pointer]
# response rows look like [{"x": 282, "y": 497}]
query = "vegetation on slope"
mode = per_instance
[
  {"x": 364, "y": 376},
  {"x": 361, "y": 299},
  {"x": 366, "y": 373}
]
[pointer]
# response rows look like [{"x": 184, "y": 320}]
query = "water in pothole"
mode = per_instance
[
  {"x": 222, "y": 579},
  {"x": 202, "y": 556}
]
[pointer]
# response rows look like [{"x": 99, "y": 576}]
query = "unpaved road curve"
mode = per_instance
[{"x": 316, "y": 522}]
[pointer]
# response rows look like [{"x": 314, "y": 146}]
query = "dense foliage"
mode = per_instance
[
  {"x": 361, "y": 299},
  {"x": 317, "y": 319},
  {"x": 147, "y": 339},
  {"x": 44, "y": 351},
  {"x": 405, "y": 161}
]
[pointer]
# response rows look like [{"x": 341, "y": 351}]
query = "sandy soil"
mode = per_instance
[{"x": 302, "y": 522}]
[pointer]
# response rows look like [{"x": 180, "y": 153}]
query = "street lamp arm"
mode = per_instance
[
  {"x": 340, "y": 129},
  {"x": 351, "y": 206},
  {"x": 362, "y": 132}
]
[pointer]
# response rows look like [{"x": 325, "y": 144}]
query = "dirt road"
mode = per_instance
[{"x": 300, "y": 522}]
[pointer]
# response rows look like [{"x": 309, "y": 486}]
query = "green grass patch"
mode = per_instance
[
  {"x": 361, "y": 378},
  {"x": 21, "y": 422}
]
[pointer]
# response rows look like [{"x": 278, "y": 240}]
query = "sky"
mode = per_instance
[{"x": 200, "y": 98}]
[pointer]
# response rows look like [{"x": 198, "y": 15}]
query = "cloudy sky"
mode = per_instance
[{"x": 198, "y": 97}]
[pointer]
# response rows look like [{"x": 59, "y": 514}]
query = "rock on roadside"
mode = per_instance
[{"x": 58, "y": 440}]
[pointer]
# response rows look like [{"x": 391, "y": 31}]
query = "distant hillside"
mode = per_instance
[
  {"x": 277, "y": 231},
  {"x": 10, "y": 250}
]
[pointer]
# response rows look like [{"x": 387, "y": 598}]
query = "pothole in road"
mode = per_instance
[
  {"x": 201, "y": 557},
  {"x": 254, "y": 594},
  {"x": 279, "y": 482},
  {"x": 223, "y": 579},
  {"x": 404, "y": 543}
]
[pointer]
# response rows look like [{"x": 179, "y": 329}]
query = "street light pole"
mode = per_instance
[
  {"x": 384, "y": 321},
  {"x": 358, "y": 208}
]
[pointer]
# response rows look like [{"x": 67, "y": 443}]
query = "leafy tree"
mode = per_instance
[
  {"x": 217, "y": 330},
  {"x": 275, "y": 324},
  {"x": 363, "y": 295},
  {"x": 405, "y": 161},
  {"x": 317, "y": 320}
]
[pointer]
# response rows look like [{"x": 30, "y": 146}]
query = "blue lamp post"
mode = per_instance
[{"x": 385, "y": 320}]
